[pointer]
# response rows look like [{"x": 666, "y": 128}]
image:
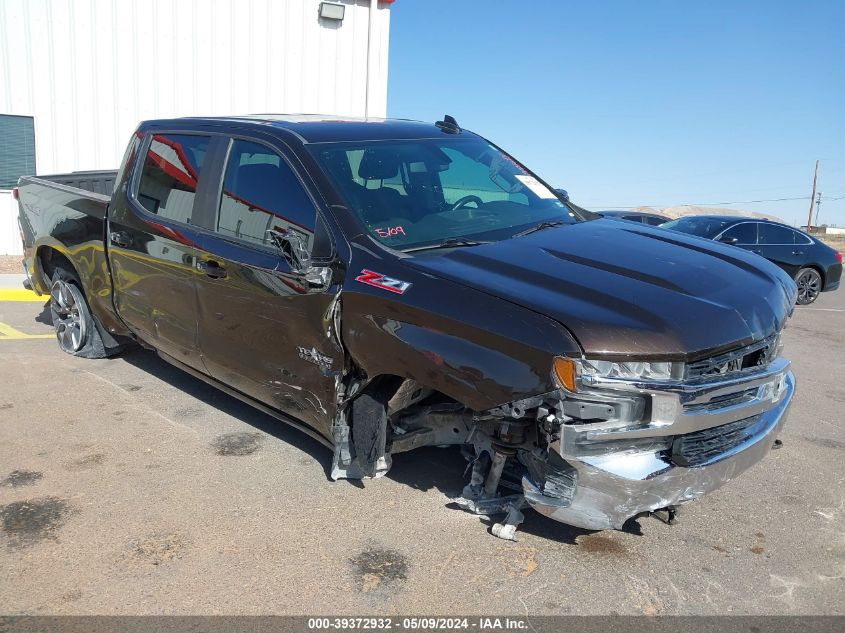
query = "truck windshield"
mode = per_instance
[{"x": 414, "y": 193}]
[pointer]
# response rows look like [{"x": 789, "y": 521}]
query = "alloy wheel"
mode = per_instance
[
  {"x": 809, "y": 287},
  {"x": 69, "y": 322}
]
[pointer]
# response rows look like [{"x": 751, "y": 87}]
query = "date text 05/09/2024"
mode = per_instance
[{"x": 421, "y": 623}]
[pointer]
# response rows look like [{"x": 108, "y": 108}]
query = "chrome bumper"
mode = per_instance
[{"x": 611, "y": 488}]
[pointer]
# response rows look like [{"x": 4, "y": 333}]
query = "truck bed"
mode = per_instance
[
  {"x": 101, "y": 182},
  {"x": 64, "y": 215}
]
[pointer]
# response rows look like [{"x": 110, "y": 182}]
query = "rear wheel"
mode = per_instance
[
  {"x": 76, "y": 330},
  {"x": 809, "y": 283}
]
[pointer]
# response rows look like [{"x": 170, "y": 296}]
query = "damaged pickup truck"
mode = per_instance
[{"x": 385, "y": 285}]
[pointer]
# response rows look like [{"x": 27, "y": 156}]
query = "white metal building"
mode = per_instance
[{"x": 79, "y": 75}]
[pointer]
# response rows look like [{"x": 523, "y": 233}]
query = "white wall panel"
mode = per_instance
[{"x": 90, "y": 70}]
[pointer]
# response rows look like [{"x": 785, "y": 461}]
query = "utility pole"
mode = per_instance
[
  {"x": 818, "y": 204},
  {"x": 812, "y": 199}
]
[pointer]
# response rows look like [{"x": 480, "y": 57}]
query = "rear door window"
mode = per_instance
[
  {"x": 745, "y": 233},
  {"x": 170, "y": 175},
  {"x": 772, "y": 234},
  {"x": 261, "y": 193}
]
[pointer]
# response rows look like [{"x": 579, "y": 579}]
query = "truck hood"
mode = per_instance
[{"x": 629, "y": 291}]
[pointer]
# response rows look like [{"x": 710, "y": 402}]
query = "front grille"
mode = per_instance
[
  {"x": 726, "y": 400},
  {"x": 752, "y": 356},
  {"x": 696, "y": 449}
]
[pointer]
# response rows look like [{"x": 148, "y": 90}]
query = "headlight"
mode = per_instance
[
  {"x": 566, "y": 371},
  {"x": 632, "y": 370},
  {"x": 589, "y": 413}
]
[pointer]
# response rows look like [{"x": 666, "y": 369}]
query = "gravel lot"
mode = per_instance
[
  {"x": 128, "y": 487},
  {"x": 10, "y": 263}
]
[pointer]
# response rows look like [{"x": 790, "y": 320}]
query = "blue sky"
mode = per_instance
[{"x": 640, "y": 103}]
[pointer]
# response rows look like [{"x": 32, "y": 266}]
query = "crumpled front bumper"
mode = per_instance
[{"x": 612, "y": 488}]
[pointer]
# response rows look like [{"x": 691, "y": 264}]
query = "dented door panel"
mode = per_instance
[{"x": 266, "y": 334}]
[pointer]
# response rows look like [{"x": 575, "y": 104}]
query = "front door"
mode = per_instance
[
  {"x": 153, "y": 245},
  {"x": 743, "y": 235},
  {"x": 262, "y": 329}
]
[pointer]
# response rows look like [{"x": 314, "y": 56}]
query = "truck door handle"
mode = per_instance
[
  {"x": 120, "y": 238},
  {"x": 211, "y": 269}
]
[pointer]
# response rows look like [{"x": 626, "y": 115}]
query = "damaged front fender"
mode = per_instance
[{"x": 476, "y": 349}]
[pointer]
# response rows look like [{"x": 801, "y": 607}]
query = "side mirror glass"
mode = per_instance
[{"x": 294, "y": 249}]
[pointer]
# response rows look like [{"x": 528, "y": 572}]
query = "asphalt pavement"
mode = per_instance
[{"x": 129, "y": 487}]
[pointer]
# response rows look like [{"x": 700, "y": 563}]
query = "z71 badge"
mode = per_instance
[{"x": 385, "y": 283}]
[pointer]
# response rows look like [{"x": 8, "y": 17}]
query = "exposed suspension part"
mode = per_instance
[
  {"x": 509, "y": 436},
  {"x": 481, "y": 495}
]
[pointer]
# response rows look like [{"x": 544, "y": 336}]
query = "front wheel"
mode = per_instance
[
  {"x": 76, "y": 330},
  {"x": 809, "y": 283}
]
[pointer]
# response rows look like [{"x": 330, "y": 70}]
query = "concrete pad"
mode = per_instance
[
  {"x": 129, "y": 487},
  {"x": 12, "y": 280}
]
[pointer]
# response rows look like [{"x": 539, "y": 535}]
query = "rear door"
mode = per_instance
[
  {"x": 153, "y": 244},
  {"x": 262, "y": 328}
]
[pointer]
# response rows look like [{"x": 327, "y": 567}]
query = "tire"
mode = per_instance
[
  {"x": 369, "y": 432},
  {"x": 76, "y": 330},
  {"x": 809, "y": 283}
]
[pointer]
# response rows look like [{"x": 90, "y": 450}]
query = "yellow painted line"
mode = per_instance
[
  {"x": 8, "y": 333},
  {"x": 21, "y": 294}
]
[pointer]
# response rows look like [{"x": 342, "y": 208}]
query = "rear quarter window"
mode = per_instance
[{"x": 800, "y": 238}]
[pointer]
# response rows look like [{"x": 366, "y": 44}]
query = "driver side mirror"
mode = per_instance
[
  {"x": 294, "y": 249},
  {"x": 729, "y": 240}
]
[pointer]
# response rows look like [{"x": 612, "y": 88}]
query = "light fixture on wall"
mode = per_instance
[{"x": 332, "y": 11}]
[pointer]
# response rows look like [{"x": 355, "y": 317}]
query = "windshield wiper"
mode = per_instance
[
  {"x": 540, "y": 227},
  {"x": 452, "y": 242}
]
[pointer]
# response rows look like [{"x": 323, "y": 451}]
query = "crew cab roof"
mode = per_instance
[
  {"x": 726, "y": 218},
  {"x": 735, "y": 218},
  {"x": 317, "y": 128}
]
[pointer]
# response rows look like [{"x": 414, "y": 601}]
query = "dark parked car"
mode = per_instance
[
  {"x": 652, "y": 219},
  {"x": 389, "y": 285},
  {"x": 815, "y": 266}
]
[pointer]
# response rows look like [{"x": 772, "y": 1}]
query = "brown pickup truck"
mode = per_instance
[{"x": 385, "y": 285}]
